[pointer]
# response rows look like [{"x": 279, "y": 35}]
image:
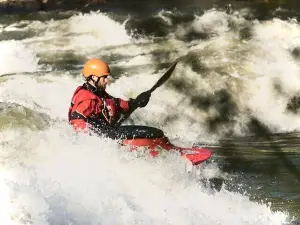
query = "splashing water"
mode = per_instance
[
  {"x": 70, "y": 180},
  {"x": 16, "y": 58},
  {"x": 51, "y": 176}
]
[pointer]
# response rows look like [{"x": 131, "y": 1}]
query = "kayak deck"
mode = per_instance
[{"x": 195, "y": 155}]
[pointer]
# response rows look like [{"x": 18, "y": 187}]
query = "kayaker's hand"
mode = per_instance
[{"x": 142, "y": 99}]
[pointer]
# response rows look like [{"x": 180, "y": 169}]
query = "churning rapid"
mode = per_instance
[{"x": 233, "y": 73}]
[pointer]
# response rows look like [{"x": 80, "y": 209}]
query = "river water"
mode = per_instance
[{"x": 234, "y": 89}]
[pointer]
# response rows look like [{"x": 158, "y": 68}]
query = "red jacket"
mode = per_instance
[{"x": 91, "y": 109}]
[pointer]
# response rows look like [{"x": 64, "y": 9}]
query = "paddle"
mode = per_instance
[
  {"x": 160, "y": 82},
  {"x": 165, "y": 77}
]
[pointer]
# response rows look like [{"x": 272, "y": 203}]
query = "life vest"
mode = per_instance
[{"x": 104, "y": 112}]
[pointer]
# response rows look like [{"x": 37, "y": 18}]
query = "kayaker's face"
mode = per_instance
[{"x": 102, "y": 82}]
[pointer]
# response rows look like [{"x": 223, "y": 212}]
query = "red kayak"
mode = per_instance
[{"x": 154, "y": 139}]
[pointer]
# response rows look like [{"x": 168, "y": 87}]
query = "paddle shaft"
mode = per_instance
[{"x": 160, "y": 82}]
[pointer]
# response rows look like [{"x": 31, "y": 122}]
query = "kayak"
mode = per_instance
[
  {"x": 136, "y": 136},
  {"x": 155, "y": 140}
]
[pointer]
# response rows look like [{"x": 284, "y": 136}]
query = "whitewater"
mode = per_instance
[{"x": 50, "y": 175}]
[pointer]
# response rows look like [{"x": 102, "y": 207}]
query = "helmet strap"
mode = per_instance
[
  {"x": 98, "y": 79},
  {"x": 94, "y": 82}
]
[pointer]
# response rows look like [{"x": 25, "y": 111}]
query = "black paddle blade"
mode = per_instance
[{"x": 165, "y": 77}]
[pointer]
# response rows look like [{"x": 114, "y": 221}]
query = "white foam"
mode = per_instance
[
  {"x": 87, "y": 180},
  {"x": 50, "y": 94},
  {"x": 82, "y": 32},
  {"x": 278, "y": 77},
  {"x": 16, "y": 57},
  {"x": 6, "y": 208}
]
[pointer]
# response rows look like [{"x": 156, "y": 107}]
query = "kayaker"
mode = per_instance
[{"x": 92, "y": 108}]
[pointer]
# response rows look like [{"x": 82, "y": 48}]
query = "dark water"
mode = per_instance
[
  {"x": 268, "y": 168},
  {"x": 259, "y": 9}
]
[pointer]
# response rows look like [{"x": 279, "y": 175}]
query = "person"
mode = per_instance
[{"x": 93, "y": 109}]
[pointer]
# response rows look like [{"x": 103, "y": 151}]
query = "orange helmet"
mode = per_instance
[{"x": 95, "y": 67}]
